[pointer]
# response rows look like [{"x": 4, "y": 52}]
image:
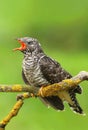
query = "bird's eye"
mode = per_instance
[{"x": 29, "y": 42}]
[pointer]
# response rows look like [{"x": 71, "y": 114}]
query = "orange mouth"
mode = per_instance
[{"x": 23, "y": 46}]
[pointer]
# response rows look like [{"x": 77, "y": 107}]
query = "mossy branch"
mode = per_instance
[
  {"x": 44, "y": 91},
  {"x": 47, "y": 90}
]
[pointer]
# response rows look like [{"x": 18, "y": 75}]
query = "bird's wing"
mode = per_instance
[
  {"x": 54, "y": 73},
  {"x": 52, "y": 70}
]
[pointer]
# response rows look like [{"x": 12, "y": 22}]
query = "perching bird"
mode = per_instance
[{"x": 40, "y": 70}]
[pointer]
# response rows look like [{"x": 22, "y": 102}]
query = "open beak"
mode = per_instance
[{"x": 23, "y": 46}]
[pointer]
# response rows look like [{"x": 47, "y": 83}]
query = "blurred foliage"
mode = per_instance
[
  {"x": 63, "y": 23},
  {"x": 62, "y": 29}
]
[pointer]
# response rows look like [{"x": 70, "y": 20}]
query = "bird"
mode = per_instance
[{"x": 39, "y": 70}]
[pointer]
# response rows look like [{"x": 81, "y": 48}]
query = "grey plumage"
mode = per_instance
[{"x": 40, "y": 70}]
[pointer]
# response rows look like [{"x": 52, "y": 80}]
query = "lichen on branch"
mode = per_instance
[{"x": 49, "y": 90}]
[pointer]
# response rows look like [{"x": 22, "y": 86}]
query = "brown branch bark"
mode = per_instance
[{"x": 50, "y": 90}]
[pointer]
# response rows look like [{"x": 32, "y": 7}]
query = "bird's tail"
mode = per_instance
[
  {"x": 74, "y": 103},
  {"x": 70, "y": 97},
  {"x": 57, "y": 101}
]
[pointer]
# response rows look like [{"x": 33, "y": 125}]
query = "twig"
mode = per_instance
[{"x": 14, "y": 110}]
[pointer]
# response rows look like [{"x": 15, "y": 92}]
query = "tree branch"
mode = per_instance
[
  {"x": 44, "y": 91},
  {"x": 47, "y": 90}
]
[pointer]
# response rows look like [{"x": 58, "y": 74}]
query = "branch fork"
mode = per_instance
[{"x": 50, "y": 90}]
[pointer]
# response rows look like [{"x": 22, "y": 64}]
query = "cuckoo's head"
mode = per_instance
[{"x": 29, "y": 45}]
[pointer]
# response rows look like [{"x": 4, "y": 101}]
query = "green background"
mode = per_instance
[{"x": 62, "y": 29}]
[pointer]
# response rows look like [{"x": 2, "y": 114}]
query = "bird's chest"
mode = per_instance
[{"x": 32, "y": 72}]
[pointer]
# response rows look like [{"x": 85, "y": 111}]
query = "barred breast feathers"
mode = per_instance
[{"x": 33, "y": 72}]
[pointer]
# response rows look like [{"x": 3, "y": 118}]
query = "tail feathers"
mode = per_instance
[
  {"x": 78, "y": 90},
  {"x": 70, "y": 98},
  {"x": 53, "y": 101},
  {"x": 76, "y": 109},
  {"x": 74, "y": 103},
  {"x": 57, "y": 101}
]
